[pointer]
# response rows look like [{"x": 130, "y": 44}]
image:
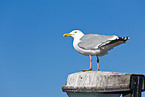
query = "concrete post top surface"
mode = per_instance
[{"x": 98, "y": 80}]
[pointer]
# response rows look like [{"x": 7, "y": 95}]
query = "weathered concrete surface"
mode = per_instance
[{"x": 99, "y": 80}]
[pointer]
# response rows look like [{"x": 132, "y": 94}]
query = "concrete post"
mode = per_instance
[{"x": 98, "y": 84}]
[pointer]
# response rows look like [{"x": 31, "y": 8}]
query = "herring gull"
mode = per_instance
[{"x": 94, "y": 44}]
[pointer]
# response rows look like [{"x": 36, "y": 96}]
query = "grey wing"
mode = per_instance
[{"x": 93, "y": 41}]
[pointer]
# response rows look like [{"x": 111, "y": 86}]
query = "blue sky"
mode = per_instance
[{"x": 35, "y": 58}]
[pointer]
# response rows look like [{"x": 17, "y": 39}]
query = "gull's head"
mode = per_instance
[{"x": 74, "y": 34}]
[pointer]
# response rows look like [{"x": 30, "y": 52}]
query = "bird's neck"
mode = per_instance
[{"x": 77, "y": 40}]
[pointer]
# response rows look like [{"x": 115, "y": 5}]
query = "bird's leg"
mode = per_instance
[
  {"x": 97, "y": 63},
  {"x": 90, "y": 64}
]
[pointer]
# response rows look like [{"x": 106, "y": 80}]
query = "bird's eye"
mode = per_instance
[{"x": 75, "y": 32}]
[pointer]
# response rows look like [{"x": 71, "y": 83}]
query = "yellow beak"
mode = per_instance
[{"x": 66, "y": 34}]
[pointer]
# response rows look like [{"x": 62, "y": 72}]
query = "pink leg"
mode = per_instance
[{"x": 90, "y": 64}]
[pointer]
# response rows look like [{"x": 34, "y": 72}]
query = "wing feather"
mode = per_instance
[
  {"x": 113, "y": 43},
  {"x": 93, "y": 41}
]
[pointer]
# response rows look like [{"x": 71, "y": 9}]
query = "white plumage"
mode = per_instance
[{"x": 94, "y": 44}]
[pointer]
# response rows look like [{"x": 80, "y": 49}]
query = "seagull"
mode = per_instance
[{"x": 94, "y": 44}]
